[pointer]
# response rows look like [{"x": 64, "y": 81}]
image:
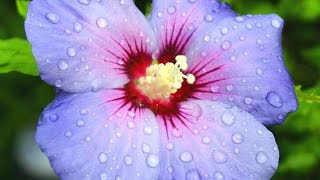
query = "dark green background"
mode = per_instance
[{"x": 23, "y": 97}]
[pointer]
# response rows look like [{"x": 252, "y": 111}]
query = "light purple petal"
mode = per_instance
[
  {"x": 217, "y": 141},
  {"x": 239, "y": 62},
  {"x": 86, "y": 137},
  {"x": 176, "y": 23},
  {"x": 81, "y": 44}
]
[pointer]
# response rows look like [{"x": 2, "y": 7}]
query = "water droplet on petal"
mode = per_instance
[
  {"x": 131, "y": 114},
  {"x": 276, "y": 23},
  {"x": 147, "y": 130},
  {"x": 237, "y": 138},
  {"x": 170, "y": 169},
  {"x": 146, "y": 148},
  {"x": 83, "y": 111},
  {"x": 261, "y": 157},
  {"x": 84, "y": 2},
  {"x": 53, "y": 117},
  {"x": 192, "y": 1},
  {"x": 77, "y": 27},
  {"x": 52, "y": 18},
  {"x": 274, "y": 99},
  {"x": 219, "y": 156},
  {"x": 226, "y": 45},
  {"x": 103, "y": 176},
  {"x": 152, "y": 160},
  {"x": 214, "y": 89},
  {"x": 239, "y": 19},
  {"x": 103, "y": 157},
  {"x": 130, "y": 125},
  {"x": 68, "y": 134},
  {"x": 192, "y": 175},
  {"x": 224, "y": 31},
  {"x": 81, "y": 123},
  {"x": 248, "y": 100},
  {"x": 102, "y": 22},
  {"x": 228, "y": 118},
  {"x": 170, "y": 146},
  {"x": 62, "y": 64},
  {"x": 58, "y": 83},
  {"x": 259, "y": 132},
  {"x": 186, "y": 157},
  {"x": 259, "y": 71},
  {"x": 128, "y": 160},
  {"x": 206, "y": 38},
  {"x": 71, "y": 52},
  {"x": 171, "y": 9},
  {"x": 208, "y": 18},
  {"x": 206, "y": 140},
  {"x": 218, "y": 175},
  {"x": 176, "y": 133}
]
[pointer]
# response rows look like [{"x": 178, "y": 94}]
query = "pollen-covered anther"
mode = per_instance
[{"x": 162, "y": 80}]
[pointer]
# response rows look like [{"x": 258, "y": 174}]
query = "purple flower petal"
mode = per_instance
[
  {"x": 86, "y": 136},
  {"x": 81, "y": 44},
  {"x": 239, "y": 62},
  {"x": 216, "y": 141},
  {"x": 176, "y": 23}
]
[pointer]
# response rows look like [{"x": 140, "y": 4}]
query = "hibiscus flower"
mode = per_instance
[{"x": 184, "y": 94}]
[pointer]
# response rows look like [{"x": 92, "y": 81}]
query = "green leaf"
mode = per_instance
[
  {"x": 306, "y": 97},
  {"x": 22, "y": 7},
  {"x": 16, "y": 55}
]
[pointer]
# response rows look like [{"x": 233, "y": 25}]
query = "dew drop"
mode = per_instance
[
  {"x": 192, "y": 175},
  {"x": 229, "y": 87},
  {"x": 62, "y": 64},
  {"x": 103, "y": 157},
  {"x": 130, "y": 125},
  {"x": 274, "y": 99},
  {"x": 131, "y": 114},
  {"x": 259, "y": 132},
  {"x": 186, "y": 157},
  {"x": 248, "y": 100},
  {"x": 261, "y": 157},
  {"x": 58, "y": 83},
  {"x": 176, "y": 133},
  {"x": 146, "y": 148},
  {"x": 83, "y": 111},
  {"x": 84, "y": 2},
  {"x": 128, "y": 160},
  {"x": 208, "y": 18},
  {"x": 81, "y": 123},
  {"x": 170, "y": 146},
  {"x": 206, "y": 38},
  {"x": 239, "y": 19},
  {"x": 192, "y": 1},
  {"x": 206, "y": 140},
  {"x": 259, "y": 72},
  {"x": 52, "y": 18},
  {"x": 226, "y": 45},
  {"x": 77, "y": 27},
  {"x": 219, "y": 156},
  {"x": 224, "y": 31},
  {"x": 71, "y": 51},
  {"x": 218, "y": 175},
  {"x": 228, "y": 118},
  {"x": 53, "y": 117},
  {"x": 237, "y": 138},
  {"x": 68, "y": 134},
  {"x": 236, "y": 150},
  {"x": 170, "y": 169},
  {"x": 214, "y": 89},
  {"x": 147, "y": 130},
  {"x": 276, "y": 23},
  {"x": 152, "y": 160},
  {"x": 171, "y": 9},
  {"x": 102, "y": 22},
  {"x": 249, "y": 26},
  {"x": 103, "y": 176}
]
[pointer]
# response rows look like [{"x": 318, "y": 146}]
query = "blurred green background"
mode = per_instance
[{"x": 23, "y": 97}]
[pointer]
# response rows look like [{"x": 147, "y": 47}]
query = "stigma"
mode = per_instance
[{"x": 162, "y": 80}]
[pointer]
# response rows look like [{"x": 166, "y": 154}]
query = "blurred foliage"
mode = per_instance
[
  {"x": 23, "y": 97},
  {"x": 16, "y": 55}
]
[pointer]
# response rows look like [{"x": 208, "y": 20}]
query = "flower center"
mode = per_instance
[{"x": 162, "y": 80}]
